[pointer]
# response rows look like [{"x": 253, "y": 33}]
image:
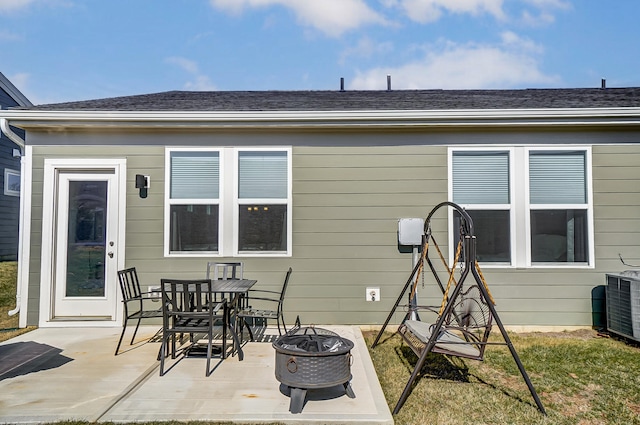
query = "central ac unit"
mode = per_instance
[{"x": 623, "y": 305}]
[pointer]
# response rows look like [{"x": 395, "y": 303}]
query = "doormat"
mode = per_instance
[{"x": 20, "y": 358}]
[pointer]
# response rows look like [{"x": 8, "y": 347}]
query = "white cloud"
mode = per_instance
[
  {"x": 541, "y": 19},
  {"x": 544, "y": 15},
  {"x": 188, "y": 65},
  {"x": 513, "y": 40},
  {"x": 365, "y": 48},
  {"x": 332, "y": 17},
  {"x": 555, "y": 4},
  {"x": 449, "y": 65},
  {"x": 426, "y": 11},
  {"x": 199, "y": 81},
  {"x": 13, "y": 5}
]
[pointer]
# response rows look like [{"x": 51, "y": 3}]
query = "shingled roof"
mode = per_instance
[{"x": 359, "y": 100}]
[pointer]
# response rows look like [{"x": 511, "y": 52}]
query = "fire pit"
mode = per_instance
[{"x": 312, "y": 358}]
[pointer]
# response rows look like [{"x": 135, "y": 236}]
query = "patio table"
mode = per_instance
[{"x": 235, "y": 288}]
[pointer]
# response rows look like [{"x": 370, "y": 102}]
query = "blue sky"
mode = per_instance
[{"x": 62, "y": 50}]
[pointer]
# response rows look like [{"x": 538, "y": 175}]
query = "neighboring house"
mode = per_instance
[
  {"x": 317, "y": 181},
  {"x": 10, "y": 153}
]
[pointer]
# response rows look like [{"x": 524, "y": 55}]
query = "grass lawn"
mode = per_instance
[
  {"x": 8, "y": 324},
  {"x": 581, "y": 377}
]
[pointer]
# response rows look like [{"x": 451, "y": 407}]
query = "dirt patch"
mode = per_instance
[
  {"x": 577, "y": 334},
  {"x": 572, "y": 405},
  {"x": 634, "y": 407}
]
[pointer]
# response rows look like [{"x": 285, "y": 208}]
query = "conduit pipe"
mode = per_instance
[{"x": 6, "y": 129}]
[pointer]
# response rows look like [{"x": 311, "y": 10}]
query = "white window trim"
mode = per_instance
[
  {"x": 511, "y": 206},
  {"x": 520, "y": 206},
  {"x": 7, "y": 191},
  {"x": 228, "y": 202},
  {"x": 236, "y": 203},
  {"x": 168, "y": 202},
  {"x": 47, "y": 266},
  {"x": 589, "y": 207}
]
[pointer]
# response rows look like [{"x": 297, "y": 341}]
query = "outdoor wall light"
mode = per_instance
[{"x": 142, "y": 183}]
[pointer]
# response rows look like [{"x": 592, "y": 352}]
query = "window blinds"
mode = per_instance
[
  {"x": 557, "y": 178},
  {"x": 195, "y": 175},
  {"x": 481, "y": 177},
  {"x": 262, "y": 175}
]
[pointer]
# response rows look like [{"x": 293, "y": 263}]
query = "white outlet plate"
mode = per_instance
[{"x": 372, "y": 294}]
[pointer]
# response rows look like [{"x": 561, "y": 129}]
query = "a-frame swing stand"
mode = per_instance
[{"x": 465, "y": 317}]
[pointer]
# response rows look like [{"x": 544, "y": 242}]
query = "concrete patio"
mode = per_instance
[{"x": 73, "y": 375}]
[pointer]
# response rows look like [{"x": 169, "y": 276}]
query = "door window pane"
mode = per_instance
[
  {"x": 263, "y": 228},
  {"x": 86, "y": 239},
  {"x": 559, "y": 236},
  {"x": 193, "y": 228}
]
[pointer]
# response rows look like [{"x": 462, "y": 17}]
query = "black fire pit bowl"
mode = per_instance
[{"x": 312, "y": 358}]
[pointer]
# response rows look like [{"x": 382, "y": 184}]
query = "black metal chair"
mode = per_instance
[
  {"x": 188, "y": 308},
  {"x": 265, "y": 305},
  {"x": 224, "y": 271},
  {"x": 134, "y": 302}
]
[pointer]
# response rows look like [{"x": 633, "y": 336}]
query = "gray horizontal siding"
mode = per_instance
[
  {"x": 616, "y": 187},
  {"x": 140, "y": 160},
  {"x": 346, "y": 203}
]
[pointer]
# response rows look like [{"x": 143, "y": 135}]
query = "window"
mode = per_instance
[
  {"x": 11, "y": 182},
  {"x": 262, "y": 201},
  {"x": 481, "y": 185},
  {"x": 194, "y": 198},
  {"x": 228, "y": 202},
  {"x": 529, "y": 206},
  {"x": 558, "y": 206}
]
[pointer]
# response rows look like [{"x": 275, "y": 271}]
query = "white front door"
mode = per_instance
[{"x": 85, "y": 226}]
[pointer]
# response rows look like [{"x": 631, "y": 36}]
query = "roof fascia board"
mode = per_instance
[{"x": 334, "y": 119}]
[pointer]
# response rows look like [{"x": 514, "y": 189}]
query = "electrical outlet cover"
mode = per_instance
[{"x": 372, "y": 294}]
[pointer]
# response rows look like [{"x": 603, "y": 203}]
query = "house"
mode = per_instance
[
  {"x": 10, "y": 155},
  {"x": 319, "y": 180}
]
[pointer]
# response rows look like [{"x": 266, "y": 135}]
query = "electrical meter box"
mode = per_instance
[{"x": 410, "y": 231}]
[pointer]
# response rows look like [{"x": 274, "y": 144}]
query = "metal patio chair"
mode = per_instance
[
  {"x": 135, "y": 301},
  {"x": 189, "y": 309},
  {"x": 224, "y": 271},
  {"x": 265, "y": 305}
]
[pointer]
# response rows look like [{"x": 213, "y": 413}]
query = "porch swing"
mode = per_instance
[{"x": 465, "y": 316}]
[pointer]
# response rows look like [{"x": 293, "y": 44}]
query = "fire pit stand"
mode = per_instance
[{"x": 312, "y": 358}]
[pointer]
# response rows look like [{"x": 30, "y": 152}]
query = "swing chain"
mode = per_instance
[
  {"x": 425, "y": 247},
  {"x": 462, "y": 247}
]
